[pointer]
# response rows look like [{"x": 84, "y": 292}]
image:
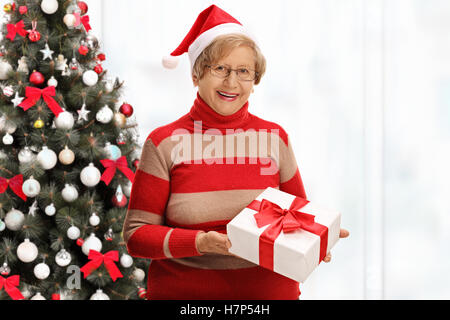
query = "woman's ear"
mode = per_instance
[{"x": 195, "y": 80}]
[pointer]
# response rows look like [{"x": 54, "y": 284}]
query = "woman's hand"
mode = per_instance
[
  {"x": 342, "y": 234},
  {"x": 213, "y": 242}
]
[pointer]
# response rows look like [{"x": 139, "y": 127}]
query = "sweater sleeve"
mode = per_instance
[
  {"x": 290, "y": 179},
  {"x": 144, "y": 231}
]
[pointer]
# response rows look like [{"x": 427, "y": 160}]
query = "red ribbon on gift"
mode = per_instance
[
  {"x": 10, "y": 284},
  {"x": 56, "y": 296},
  {"x": 85, "y": 22},
  {"x": 15, "y": 184},
  {"x": 286, "y": 220},
  {"x": 97, "y": 259},
  {"x": 13, "y": 29},
  {"x": 112, "y": 166},
  {"x": 34, "y": 94}
]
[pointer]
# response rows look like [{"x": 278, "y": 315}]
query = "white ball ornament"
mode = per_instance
[
  {"x": 126, "y": 260},
  {"x": 109, "y": 86},
  {"x": 139, "y": 274},
  {"x": 7, "y": 139},
  {"x": 104, "y": 115},
  {"x": 47, "y": 158},
  {"x": 52, "y": 82},
  {"x": 14, "y": 220},
  {"x": 90, "y": 78},
  {"x": 66, "y": 156},
  {"x": 41, "y": 271},
  {"x": 94, "y": 219},
  {"x": 64, "y": 121},
  {"x": 91, "y": 243},
  {"x": 63, "y": 258},
  {"x": 99, "y": 295},
  {"x": 90, "y": 175},
  {"x": 69, "y": 193},
  {"x": 127, "y": 188},
  {"x": 27, "y": 251},
  {"x": 50, "y": 210},
  {"x": 31, "y": 187},
  {"x": 26, "y": 155},
  {"x": 112, "y": 151},
  {"x": 49, "y": 6},
  {"x": 69, "y": 20},
  {"x": 5, "y": 69},
  {"x": 38, "y": 296},
  {"x": 73, "y": 233}
]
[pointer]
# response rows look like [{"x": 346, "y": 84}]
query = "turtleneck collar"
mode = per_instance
[{"x": 201, "y": 111}]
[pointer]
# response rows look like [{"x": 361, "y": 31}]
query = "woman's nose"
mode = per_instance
[{"x": 232, "y": 79}]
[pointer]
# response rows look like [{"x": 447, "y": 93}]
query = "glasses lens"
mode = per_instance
[
  {"x": 220, "y": 71},
  {"x": 246, "y": 74},
  {"x": 242, "y": 73}
]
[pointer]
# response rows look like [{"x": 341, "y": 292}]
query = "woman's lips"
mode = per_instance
[{"x": 226, "y": 96}]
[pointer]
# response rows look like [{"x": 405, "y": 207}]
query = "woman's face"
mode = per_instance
[{"x": 212, "y": 89}]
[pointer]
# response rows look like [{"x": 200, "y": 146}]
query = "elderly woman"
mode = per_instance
[{"x": 192, "y": 178}]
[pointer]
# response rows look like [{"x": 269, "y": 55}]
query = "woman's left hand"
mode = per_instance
[{"x": 342, "y": 234}]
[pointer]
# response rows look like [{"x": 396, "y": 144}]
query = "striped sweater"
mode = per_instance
[{"x": 195, "y": 174}]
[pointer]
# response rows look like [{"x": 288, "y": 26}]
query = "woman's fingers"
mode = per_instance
[{"x": 344, "y": 233}]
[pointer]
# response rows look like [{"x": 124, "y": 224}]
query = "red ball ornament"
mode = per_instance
[
  {"x": 37, "y": 78},
  {"x": 80, "y": 242},
  {"x": 120, "y": 201},
  {"x": 136, "y": 163},
  {"x": 83, "y": 7},
  {"x": 83, "y": 50},
  {"x": 142, "y": 293},
  {"x": 23, "y": 9},
  {"x": 34, "y": 35},
  {"x": 101, "y": 57},
  {"x": 126, "y": 109},
  {"x": 98, "y": 69}
]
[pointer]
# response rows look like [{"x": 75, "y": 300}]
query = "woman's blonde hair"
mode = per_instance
[{"x": 221, "y": 47}]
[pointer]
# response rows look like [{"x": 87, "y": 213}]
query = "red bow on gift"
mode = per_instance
[
  {"x": 14, "y": 29},
  {"x": 34, "y": 94},
  {"x": 10, "y": 284},
  {"x": 15, "y": 184},
  {"x": 111, "y": 167},
  {"x": 286, "y": 220},
  {"x": 97, "y": 259}
]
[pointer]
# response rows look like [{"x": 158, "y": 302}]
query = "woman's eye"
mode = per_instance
[
  {"x": 243, "y": 71},
  {"x": 220, "y": 68}
]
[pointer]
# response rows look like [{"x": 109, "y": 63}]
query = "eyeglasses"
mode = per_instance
[{"x": 243, "y": 74}]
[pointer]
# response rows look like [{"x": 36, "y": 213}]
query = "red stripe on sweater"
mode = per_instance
[
  {"x": 201, "y": 177},
  {"x": 147, "y": 242},
  {"x": 154, "y": 202}
]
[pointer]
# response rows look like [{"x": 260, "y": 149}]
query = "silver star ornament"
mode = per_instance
[
  {"x": 47, "y": 52},
  {"x": 17, "y": 100},
  {"x": 83, "y": 113}
]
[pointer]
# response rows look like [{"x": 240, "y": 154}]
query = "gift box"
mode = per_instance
[{"x": 284, "y": 233}]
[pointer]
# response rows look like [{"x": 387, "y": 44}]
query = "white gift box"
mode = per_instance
[{"x": 295, "y": 254}]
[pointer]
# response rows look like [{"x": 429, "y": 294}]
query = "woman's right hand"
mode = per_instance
[{"x": 213, "y": 242}]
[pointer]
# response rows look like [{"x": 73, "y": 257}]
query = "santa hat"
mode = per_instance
[{"x": 211, "y": 23}]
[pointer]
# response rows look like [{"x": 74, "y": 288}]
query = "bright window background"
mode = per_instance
[{"x": 363, "y": 89}]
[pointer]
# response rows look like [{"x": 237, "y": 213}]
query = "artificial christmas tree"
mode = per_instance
[{"x": 67, "y": 156}]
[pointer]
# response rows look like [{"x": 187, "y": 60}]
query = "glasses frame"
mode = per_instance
[{"x": 229, "y": 72}]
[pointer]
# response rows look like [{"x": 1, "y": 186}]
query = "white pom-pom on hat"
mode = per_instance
[{"x": 170, "y": 62}]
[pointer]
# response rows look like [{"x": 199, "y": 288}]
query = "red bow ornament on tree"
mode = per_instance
[
  {"x": 111, "y": 167},
  {"x": 10, "y": 284},
  {"x": 286, "y": 220},
  {"x": 15, "y": 184},
  {"x": 97, "y": 259},
  {"x": 34, "y": 94},
  {"x": 13, "y": 29}
]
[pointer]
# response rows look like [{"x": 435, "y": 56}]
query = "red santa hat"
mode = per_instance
[{"x": 211, "y": 23}]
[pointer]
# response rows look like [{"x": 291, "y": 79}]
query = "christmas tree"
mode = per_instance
[{"x": 68, "y": 152}]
